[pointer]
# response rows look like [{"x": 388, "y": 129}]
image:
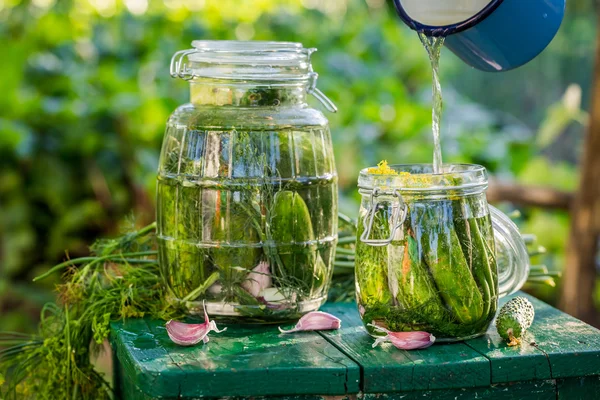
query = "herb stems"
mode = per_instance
[{"x": 95, "y": 260}]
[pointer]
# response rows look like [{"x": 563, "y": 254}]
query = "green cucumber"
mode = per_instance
[
  {"x": 487, "y": 233},
  {"x": 183, "y": 264},
  {"x": 319, "y": 277},
  {"x": 238, "y": 230},
  {"x": 302, "y": 154},
  {"x": 514, "y": 319},
  {"x": 474, "y": 247},
  {"x": 234, "y": 262},
  {"x": 434, "y": 229},
  {"x": 292, "y": 229},
  {"x": 417, "y": 292},
  {"x": 372, "y": 264}
]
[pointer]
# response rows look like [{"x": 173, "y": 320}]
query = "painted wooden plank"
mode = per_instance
[
  {"x": 261, "y": 361},
  {"x": 141, "y": 357},
  {"x": 556, "y": 346},
  {"x": 532, "y": 390},
  {"x": 300, "y": 397},
  {"x": 242, "y": 361},
  {"x": 258, "y": 361},
  {"x": 582, "y": 388},
  {"x": 518, "y": 363},
  {"x": 117, "y": 371},
  {"x": 572, "y": 346},
  {"x": 386, "y": 369},
  {"x": 133, "y": 393},
  {"x": 128, "y": 390}
]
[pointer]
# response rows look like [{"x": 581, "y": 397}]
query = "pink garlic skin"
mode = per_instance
[
  {"x": 258, "y": 279},
  {"x": 405, "y": 340},
  {"x": 215, "y": 289},
  {"x": 411, "y": 340},
  {"x": 361, "y": 311},
  {"x": 190, "y": 334},
  {"x": 316, "y": 321}
]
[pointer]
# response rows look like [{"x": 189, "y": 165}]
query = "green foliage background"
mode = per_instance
[{"x": 85, "y": 93}]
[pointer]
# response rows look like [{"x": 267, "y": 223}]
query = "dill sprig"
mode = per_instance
[{"x": 120, "y": 280}]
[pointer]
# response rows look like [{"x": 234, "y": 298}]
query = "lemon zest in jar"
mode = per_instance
[
  {"x": 418, "y": 180},
  {"x": 382, "y": 169},
  {"x": 411, "y": 180}
]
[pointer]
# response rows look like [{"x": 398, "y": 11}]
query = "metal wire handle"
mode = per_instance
[
  {"x": 398, "y": 217},
  {"x": 178, "y": 67},
  {"x": 312, "y": 89}
]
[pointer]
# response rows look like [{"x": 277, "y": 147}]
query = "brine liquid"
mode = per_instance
[
  {"x": 438, "y": 275},
  {"x": 230, "y": 200},
  {"x": 434, "y": 45}
]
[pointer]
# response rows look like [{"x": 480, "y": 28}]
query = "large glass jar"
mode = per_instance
[
  {"x": 247, "y": 186},
  {"x": 428, "y": 251}
]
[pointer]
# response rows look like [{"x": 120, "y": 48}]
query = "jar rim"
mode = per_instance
[
  {"x": 244, "y": 60},
  {"x": 421, "y": 178},
  {"x": 240, "y": 52},
  {"x": 246, "y": 45}
]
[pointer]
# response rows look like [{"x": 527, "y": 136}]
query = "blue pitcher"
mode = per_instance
[{"x": 490, "y": 35}]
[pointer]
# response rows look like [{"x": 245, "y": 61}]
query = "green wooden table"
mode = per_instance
[{"x": 560, "y": 358}]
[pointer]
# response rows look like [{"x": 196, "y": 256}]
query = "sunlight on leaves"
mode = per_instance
[{"x": 561, "y": 115}]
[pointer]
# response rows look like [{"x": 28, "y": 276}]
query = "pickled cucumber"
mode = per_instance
[
  {"x": 234, "y": 262},
  {"x": 417, "y": 291},
  {"x": 433, "y": 225},
  {"x": 290, "y": 224},
  {"x": 371, "y": 264},
  {"x": 474, "y": 247}
]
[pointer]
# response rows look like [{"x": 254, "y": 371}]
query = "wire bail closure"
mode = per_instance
[
  {"x": 399, "y": 212},
  {"x": 312, "y": 89},
  {"x": 178, "y": 68}
]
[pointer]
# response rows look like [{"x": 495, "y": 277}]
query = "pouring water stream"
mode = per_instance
[{"x": 434, "y": 45}]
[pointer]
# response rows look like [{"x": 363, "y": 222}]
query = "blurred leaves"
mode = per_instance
[
  {"x": 560, "y": 115},
  {"x": 85, "y": 94},
  {"x": 540, "y": 171}
]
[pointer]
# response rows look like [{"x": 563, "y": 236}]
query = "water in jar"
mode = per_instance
[
  {"x": 247, "y": 216},
  {"x": 438, "y": 274}
]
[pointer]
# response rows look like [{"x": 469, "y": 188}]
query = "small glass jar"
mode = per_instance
[
  {"x": 247, "y": 186},
  {"x": 428, "y": 249}
]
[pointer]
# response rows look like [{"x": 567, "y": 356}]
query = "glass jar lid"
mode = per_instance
[
  {"x": 420, "y": 178},
  {"x": 230, "y": 59},
  {"x": 272, "y": 63}
]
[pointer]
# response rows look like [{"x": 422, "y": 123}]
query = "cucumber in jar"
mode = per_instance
[
  {"x": 479, "y": 257},
  {"x": 235, "y": 261},
  {"x": 184, "y": 265},
  {"x": 473, "y": 249},
  {"x": 290, "y": 225},
  {"x": 417, "y": 293},
  {"x": 433, "y": 225},
  {"x": 371, "y": 266}
]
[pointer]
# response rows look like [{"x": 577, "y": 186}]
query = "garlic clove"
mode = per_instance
[
  {"x": 258, "y": 279},
  {"x": 191, "y": 334},
  {"x": 316, "y": 321},
  {"x": 404, "y": 340}
]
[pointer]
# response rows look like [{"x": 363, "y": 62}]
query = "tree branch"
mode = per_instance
[
  {"x": 580, "y": 272},
  {"x": 533, "y": 196}
]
